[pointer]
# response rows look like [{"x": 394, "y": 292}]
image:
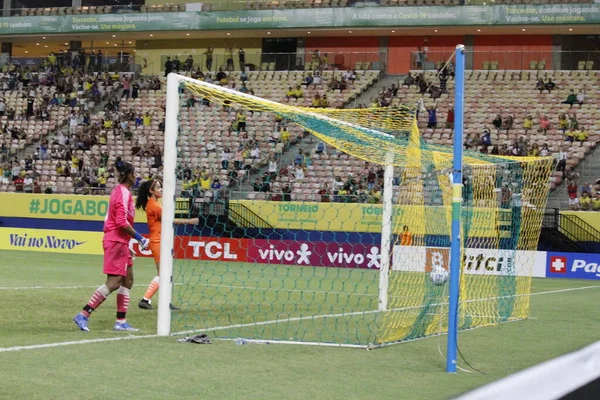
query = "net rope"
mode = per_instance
[{"x": 503, "y": 203}]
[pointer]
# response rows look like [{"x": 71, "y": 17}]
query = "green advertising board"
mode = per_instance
[{"x": 347, "y": 17}]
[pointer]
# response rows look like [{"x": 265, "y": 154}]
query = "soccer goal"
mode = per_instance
[{"x": 294, "y": 256}]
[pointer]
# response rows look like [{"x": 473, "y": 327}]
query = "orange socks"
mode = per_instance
[{"x": 152, "y": 288}]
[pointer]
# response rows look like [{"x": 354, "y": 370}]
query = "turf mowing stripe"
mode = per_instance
[{"x": 88, "y": 341}]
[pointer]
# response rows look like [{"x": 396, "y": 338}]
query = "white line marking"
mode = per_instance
[
  {"x": 295, "y": 319},
  {"x": 89, "y": 341},
  {"x": 59, "y": 344}
]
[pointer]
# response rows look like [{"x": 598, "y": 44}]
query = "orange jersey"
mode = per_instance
[
  {"x": 154, "y": 217},
  {"x": 406, "y": 239}
]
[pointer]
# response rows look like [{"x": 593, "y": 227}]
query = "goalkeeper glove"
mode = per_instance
[{"x": 142, "y": 241}]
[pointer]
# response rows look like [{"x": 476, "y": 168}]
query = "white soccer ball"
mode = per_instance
[{"x": 438, "y": 276}]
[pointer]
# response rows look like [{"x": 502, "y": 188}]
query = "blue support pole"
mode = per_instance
[{"x": 457, "y": 164}]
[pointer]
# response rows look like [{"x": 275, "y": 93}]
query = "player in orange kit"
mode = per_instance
[{"x": 147, "y": 200}]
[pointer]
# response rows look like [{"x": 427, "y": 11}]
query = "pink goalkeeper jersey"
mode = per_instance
[{"x": 121, "y": 212}]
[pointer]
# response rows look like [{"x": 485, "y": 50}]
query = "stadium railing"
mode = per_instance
[{"x": 512, "y": 60}]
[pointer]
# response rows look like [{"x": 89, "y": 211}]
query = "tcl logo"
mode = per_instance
[
  {"x": 558, "y": 264},
  {"x": 212, "y": 250}
]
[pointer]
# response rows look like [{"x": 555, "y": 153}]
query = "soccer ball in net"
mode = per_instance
[{"x": 438, "y": 276}]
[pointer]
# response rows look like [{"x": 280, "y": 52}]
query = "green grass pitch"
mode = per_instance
[{"x": 40, "y": 293}]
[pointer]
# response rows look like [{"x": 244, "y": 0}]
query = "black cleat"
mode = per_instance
[{"x": 145, "y": 304}]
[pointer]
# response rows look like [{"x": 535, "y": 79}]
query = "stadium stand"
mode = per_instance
[
  {"x": 513, "y": 94},
  {"x": 80, "y": 161}
]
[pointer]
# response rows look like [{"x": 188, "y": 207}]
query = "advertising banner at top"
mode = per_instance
[{"x": 346, "y": 17}]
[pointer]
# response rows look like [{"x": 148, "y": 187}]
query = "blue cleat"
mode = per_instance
[
  {"x": 124, "y": 326},
  {"x": 81, "y": 321}
]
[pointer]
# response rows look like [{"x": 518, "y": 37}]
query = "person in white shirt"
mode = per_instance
[
  {"x": 317, "y": 79},
  {"x": 28, "y": 184},
  {"x": 580, "y": 98},
  {"x": 211, "y": 147},
  {"x": 73, "y": 122},
  {"x": 272, "y": 166},
  {"x": 225, "y": 157},
  {"x": 255, "y": 152},
  {"x": 562, "y": 160},
  {"x": 2, "y": 107},
  {"x": 299, "y": 173}
]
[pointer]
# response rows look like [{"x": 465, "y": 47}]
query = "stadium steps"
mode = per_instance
[
  {"x": 589, "y": 172},
  {"x": 373, "y": 91}
]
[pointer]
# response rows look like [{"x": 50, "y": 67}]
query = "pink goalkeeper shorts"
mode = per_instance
[{"x": 117, "y": 258}]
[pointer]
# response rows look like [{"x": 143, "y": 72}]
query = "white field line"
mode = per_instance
[
  {"x": 90, "y": 341},
  {"x": 349, "y": 314}
]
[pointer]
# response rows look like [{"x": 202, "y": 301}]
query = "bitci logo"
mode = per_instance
[{"x": 558, "y": 265}]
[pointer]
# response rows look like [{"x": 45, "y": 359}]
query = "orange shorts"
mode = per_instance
[{"x": 155, "y": 249}]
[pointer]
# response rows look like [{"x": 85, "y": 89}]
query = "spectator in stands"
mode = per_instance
[
  {"x": 241, "y": 121},
  {"x": 432, "y": 117},
  {"x": 28, "y": 184},
  {"x": 409, "y": 80},
  {"x": 2, "y": 107},
  {"x": 229, "y": 58},
  {"x": 540, "y": 85},
  {"x": 563, "y": 122},
  {"x": 435, "y": 92},
  {"x": 508, "y": 123},
  {"x": 444, "y": 83},
  {"x": 299, "y": 173},
  {"x": 337, "y": 185},
  {"x": 176, "y": 64},
  {"x": 580, "y": 98},
  {"x": 586, "y": 187},
  {"x": 573, "y": 123},
  {"x": 272, "y": 167},
  {"x": 188, "y": 64},
  {"x": 209, "y": 58},
  {"x": 242, "y": 59},
  {"x": 562, "y": 160},
  {"x": 545, "y": 151},
  {"x": 216, "y": 189},
  {"x": 582, "y": 135},
  {"x": 316, "y": 101},
  {"x": 528, "y": 123},
  {"x": 317, "y": 79},
  {"x": 549, "y": 86},
  {"x": 325, "y": 193},
  {"x": 571, "y": 135},
  {"x": 320, "y": 149},
  {"x": 324, "y": 101},
  {"x": 596, "y": 201},
  {"x": 286, "y": 192},
  {"x": 420, "y": 57},
  {"x": 572, "y": 193},
  {"x": 495, "y": 150},
  {"x": 534, "y": 151},
  {"x": 486, "y": 137},
  {"x": 256, "y": 185},
  {"x": 168, "y": 66},
  {"x": 450, "y": 118},
  {"x": 571, "y": 99},
  {"x": 497, "y": 122},
  {"x": 544, "y": 124}
]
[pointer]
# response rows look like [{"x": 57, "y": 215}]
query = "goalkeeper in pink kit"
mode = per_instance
[{"x": 118, "y": 263}]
